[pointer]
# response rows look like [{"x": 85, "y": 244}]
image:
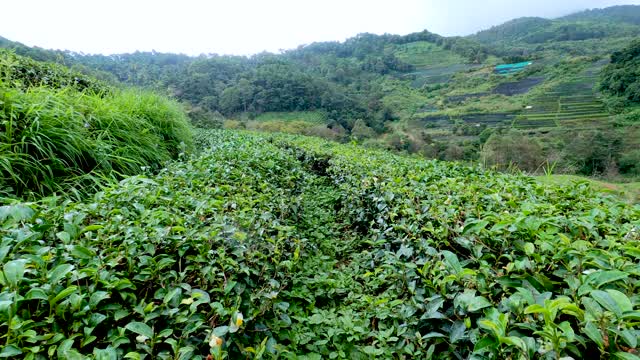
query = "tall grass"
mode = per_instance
[{"x": 62, "y": 139}]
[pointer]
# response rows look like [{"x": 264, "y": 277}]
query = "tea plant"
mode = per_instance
[{"x": 275, "y": 246}]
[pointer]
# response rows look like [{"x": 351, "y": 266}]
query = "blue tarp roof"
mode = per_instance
[{"x": 512, "y": 66}]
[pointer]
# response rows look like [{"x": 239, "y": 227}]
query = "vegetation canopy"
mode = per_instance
[
  {"x": 291, "y": 247},
  {"x": 125, "y": 233}
]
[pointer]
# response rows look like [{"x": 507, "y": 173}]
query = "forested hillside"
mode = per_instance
[
  {"x": 622, "y": 76},
  {"x": 419, "y": 93}
]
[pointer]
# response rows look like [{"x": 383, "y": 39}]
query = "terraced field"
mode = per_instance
[
  {"x": 433, "y": 64},
  {"x": 424, "y": 55},
  {"x": 491, "y": 120},
  {"x": 436, "y": 74},
  {"x": 571, "y": 103},
  {"x": 518, "y": 87}
]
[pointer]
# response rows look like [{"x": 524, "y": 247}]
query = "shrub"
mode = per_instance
[
  {"x": 629, "y": 163},
  {"x": 504, "y": 151},
  {"x": 22, "y": 72}
]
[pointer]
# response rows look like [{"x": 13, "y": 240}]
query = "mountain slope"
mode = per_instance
[
  {"x": 420, "y": 93},
  {"x": 622, "y": 13},
  {"x": 621, "y": 21}
]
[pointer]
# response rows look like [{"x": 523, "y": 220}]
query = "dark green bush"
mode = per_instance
[{"x": 22, "y": 72}]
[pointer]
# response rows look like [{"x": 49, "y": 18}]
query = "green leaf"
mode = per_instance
[
  {"x": 133, "y": 355},
  {"x": 3, "y": 252},
  {"x": 478, "y": 303},
  {"x": 372, "y": 350},
  {"x": 630, "y": 338},
  {"x": 105, "y": 354},
  {"x": 594, "y": 334},
  {"x": 514, "y": 341},
  {"x": 36, "y": 293},
  {"x": 529, "y": 249},
  {"x": 485, "y": 344},
  {"x": 82, "y": 252},
  {"x": 185, "y": 352},
  {"x": 626, "y": 356},
  {"x": 171, "y": 294},
  {"x": 535, "y": 309},
  {"x": 452, "y": 261},
  {"x": 18, "y": 212},
  {"x": 221, "y": 331},
  {"x": 600, "y": 278},
  {"x": 430, "y": 351},
  {"x": 631, "y": 315},
  {"x": 432, "y": 335},
  {"x": 229, "y": 286},
  {"x": 457, "y": 332},
  {"x": 63, "y": 294},
  {"x": 623, "y": 302},
  {"x": 96, "y": 297},
  {"x": 64, "y": 237},
  {"x": 200, "y": 295},
  {"x": 14, "y": 272},
  {"x": 10, "y": 351},
  {"x": 92, "y": 228},
  {"x": 613, "y": 301},
  {"x": 140, "y": 329},
  {"x": 316, "y": 319},
  {"x": 490, "y": 325},
  {"x": 59, "y": 272}
]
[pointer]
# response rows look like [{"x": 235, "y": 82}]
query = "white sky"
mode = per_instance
[{"x": 250, "y": 26}]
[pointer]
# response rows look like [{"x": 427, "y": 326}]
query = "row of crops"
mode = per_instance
[
  {"x": 571, "y": 103},
  {"x": 273, "y": 246},
  {"x": 433, "y": 63}
]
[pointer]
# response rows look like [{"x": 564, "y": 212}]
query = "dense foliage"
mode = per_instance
[
  {"x": 23, "y": 72},
  {"x": 419, "y": 93},
  {"x": 538, "y": 31},
  {"x": 622, "y": 13},
  {"x": 63, "y": 131},
  {"x": 290, "y": 247},
  {"x": 622, "y": 76}
]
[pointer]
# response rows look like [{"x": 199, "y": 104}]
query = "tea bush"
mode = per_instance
[{"x": 277, "y": 246}]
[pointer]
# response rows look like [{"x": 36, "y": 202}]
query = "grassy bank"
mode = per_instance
[
  {"x": 628, "y": 191},
  {"x": 62, "y": 131}
]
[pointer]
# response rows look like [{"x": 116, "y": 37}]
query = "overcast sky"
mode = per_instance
[{"x": 250, "y": 26}]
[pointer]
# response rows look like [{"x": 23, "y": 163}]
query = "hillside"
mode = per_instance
[
  {"x": 126, "y": 233},
  {"x": 276, "y": 246},
  {"x": 419, "y": 93},
  {"x": 622, "y": 13}
]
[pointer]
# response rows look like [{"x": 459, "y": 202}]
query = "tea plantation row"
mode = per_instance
[{"x": 272, "y": 246}]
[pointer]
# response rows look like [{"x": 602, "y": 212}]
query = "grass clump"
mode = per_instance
[{"x": 58, "y": 139}]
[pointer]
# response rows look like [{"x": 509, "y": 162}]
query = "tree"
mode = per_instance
[
  {"x": 504, "y": 151},
  {"x": 622, "y": 77},
  {"x": 361, "y": 130}
]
